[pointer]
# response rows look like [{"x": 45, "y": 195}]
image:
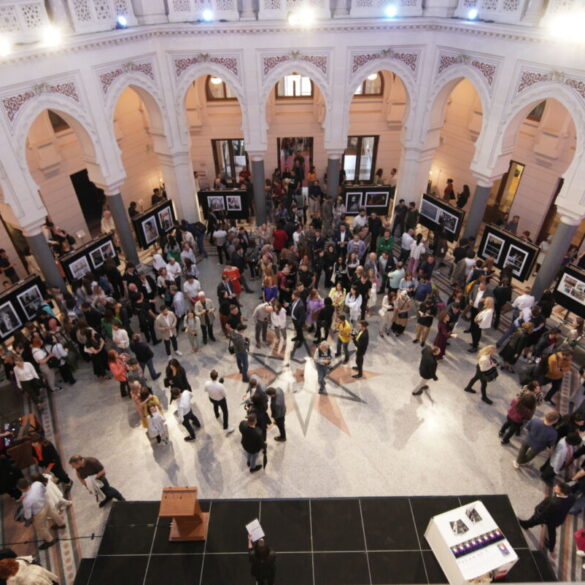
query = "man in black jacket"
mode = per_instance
[
  {"x": 239, "y": 262},
  {"x": 427, "y": 368},
  {"x": 144, "y": 355},
  {"x": 298, "y": 314},
  {"x": 361, "y": 341},
  {"x": 252, "y": 441},
  {"x": 552, "y": 512}
]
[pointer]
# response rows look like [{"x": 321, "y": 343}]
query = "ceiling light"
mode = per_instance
[
  {"x": 216, "y": 80},
  {"x": 307, "y": 16},
  {"x": 472, "y": 14},
  {"x": 372, "y": 77},
  {"x": 121, "y": 21},
  {"x": 5, "y": 47},
  {"x": 207, "y": 15},
  {"x": 52, "y": 36},
  {"x": 293, "y": 19},
  {"x": 391, "y": 10}
]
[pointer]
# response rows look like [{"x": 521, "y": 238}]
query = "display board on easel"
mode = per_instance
[
  {"x": 19, "y": 304},
  {"x": 89, "y": 257},
  {"x": 373, "y": 198},
  {"x": 434, "y": 212},
  {"x": 570, "y": 290},
  {"x": 154, "y": 222},
  {"x": 231, "y": 203},
  {"x": 508, "y": 250}
]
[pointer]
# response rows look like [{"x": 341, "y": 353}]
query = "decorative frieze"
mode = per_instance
[
  {"x": 108, "y": 77},
  {"x": 231, "y": 63},
  {"x": 487, "y": 69},
  {"x": 272, "y": 61},
  {"x": 410, "y": 59}
]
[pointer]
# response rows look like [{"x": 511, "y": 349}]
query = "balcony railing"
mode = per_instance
[
  {"x": 99, "y": 15},
  {"x": 23, "y": 20}
]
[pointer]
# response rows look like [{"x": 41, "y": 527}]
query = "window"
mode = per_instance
[
  {"x": 536, "y": 114},
  {"x": 230, "y": 158},
  {"x": 58, "y": 124},
  {"x": 359, "y": 159},
  {"x": 218, "y": 90},
  {"x": 294, "y": 86},
  {"x": 372, "y": 85}
]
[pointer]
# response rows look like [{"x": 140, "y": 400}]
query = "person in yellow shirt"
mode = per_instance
[{"x": 343, "y": 337}]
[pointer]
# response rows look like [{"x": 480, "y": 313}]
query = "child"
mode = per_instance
[
  {"x": 157, "y": 427},
  {"x": 192, "y": 326}
]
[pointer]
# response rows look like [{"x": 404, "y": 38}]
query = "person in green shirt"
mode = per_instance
[{"x": 385, "y": 243}]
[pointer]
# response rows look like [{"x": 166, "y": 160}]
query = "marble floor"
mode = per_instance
[{"x": 367, "y": 437}]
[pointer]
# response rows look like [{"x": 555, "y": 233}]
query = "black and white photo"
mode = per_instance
[
  {"x": 30, "y": 300},
  {"x": 107, "y": 250},
  {"x": 233, "y": 202},
  {"x": 458, "y": 527},
  {"x": 493, "y": 247},
  {"x": 150, "y": 230},
  {"x": 165, "y": 219},
  {"x": 79, "y": 268},
  {"x": 97, "y": 258},
  {"x": 428, "y": 210},
  {"x": 517, "y": 259},
  {"x": 215, "y": 203},
  {"x": 9, "y": 321},
  {"x": 448, "y": 220},
  {"x": 353, "y": 202},
  {"x": 377, "y": 198}
]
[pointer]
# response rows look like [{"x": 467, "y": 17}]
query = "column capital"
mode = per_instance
[
  {"x": 335, "y": 154},
  {"x": 256, "y": 155},
  {"x": 484, "y": 180},
  {"x": 569, "y": 216},
  {"x": 111, "y": 189},
  {"x": 33, "y": 227}
]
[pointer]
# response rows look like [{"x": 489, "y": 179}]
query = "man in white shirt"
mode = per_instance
[
  {"x": 174, "y": 269},
  {"x": 217, "y": 396},
  {"x": 360, "y": 221},
  {"x": 184, "y": 412},
  {"x": 36, "y": 508},
  {"x": 191, "y": 289},
  {"x": 524, "y": 301},
  {"x": 261, "y": 316},
  {"x": 187, "y": 254},
  {"x": 405, "y": 242},
  {"x": 179, "y": 305},
  {"x": 219, "y": 237}
]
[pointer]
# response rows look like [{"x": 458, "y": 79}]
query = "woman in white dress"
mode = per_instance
[
  {"x": 353, "y": 302},
  {"x": 373, "y": 296},
  {"x": 387, "y": 313}
]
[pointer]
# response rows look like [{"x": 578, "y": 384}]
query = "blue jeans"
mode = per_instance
[
  {"x": 252, "y": 457},
  {"x": 321, "y": 375},
  {"x": 150, "y": 367},
  {"x": 242, "y": 361}
]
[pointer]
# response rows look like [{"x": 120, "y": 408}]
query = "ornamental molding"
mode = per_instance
[
  {"x": 12, "y": 101},
  {"x": 316, "y": 58},
  {"x": 229, "y": 61},
  {"x": 409, "y": 57},
  {"x": 110, "y": 73},
  {"x": 487, "y": 68},
  {"x": 530, "y": 77}
]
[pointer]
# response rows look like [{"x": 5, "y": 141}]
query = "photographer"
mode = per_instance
[{"x": 323, "y": 358}]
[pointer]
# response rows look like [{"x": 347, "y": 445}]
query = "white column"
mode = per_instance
[
  {"x": 247, "y": 9},
  {"x": 177, "y": 172},
  {"x": 333, "y": 167},
  {"x": 341, "y": 9},
  {"x": 150, "y": 11},
  {"x": 413, "y": 173}
]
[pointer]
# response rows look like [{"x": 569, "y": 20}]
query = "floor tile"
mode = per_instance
[
  {"x": 286, "y": 524},
  {"x": 341, "y": 569},
  {"x": 162, "y": 545},
  {"x": 126, "y": 513},
  {"x": 504, "y": 516},
  {"x": 425, "y": 508},
  {"x": 434, "y": 571},
  {"x": 388, "y": 524},
  {"x": 397, "y": 567},
  {"x": 84, "y": 572},
  {"x": 227, "y": 525},
  {"x": 294, "y": 569},
  {"x": 127, "y": 540},
  {"x": 182, "y": 569},
  {"x": 337, "y": 525},
  {"x": 226, "y": 569},
  {"x": 119, "y": 571},
  {"x": 546, "y": 572}
]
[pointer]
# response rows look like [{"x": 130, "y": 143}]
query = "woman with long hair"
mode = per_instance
[
  {"x": 262, "y": 561},
  {"x": 401, "y": 309},
  {"x": 117, "y": 365},
  {"x": 387, "y": 312},
  {"x": 482, "y": 321},
  {"x": 485, "y": 372},
  {"x": 444, "y": 333},
  {"x": 175, "y": 376},
  {"x": 337, "y": 296},
  {"x": 521, "y": 411}
]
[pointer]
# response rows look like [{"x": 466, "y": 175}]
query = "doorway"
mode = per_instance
[
  {"x": 504, "y": 192},
  {"x": 290, "y": 148},
  {"x": 91, "y": 200}
]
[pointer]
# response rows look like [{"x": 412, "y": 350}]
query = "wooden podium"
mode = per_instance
[{"x": 182, "y": 505}]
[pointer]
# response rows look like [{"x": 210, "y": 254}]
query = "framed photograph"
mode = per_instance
[
  {"x": 449, "y": 220},
  {"x": 150, "y": 230},
  {"x": 428, "y": 210},
  {"x": 165, "y": 219},
  {"x": 376, "y": 199},
  {"x": 353, "y": 202},
  {"x": 30, "y": 300},
  {"x": 233, "y": 202},
  {"x": 107, "y": 250},
  {"x": 97, "y": 258},
  {"x": 79, "y": 268},
  {"x": 9, "y": 321},
  {"x": 516, "y": 258},
  {"x": 215, "y": 203},
  {"x": 493, "y": 246},
  {"x": 572, "y": 287}
]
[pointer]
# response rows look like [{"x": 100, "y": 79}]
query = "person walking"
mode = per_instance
[
  {"x": 262, "y": 561},
  {"x": 157, "y": 426},
  {"x": 444, "y": 333},
  {"x": 261, "y": 316},
  {"x": 38, "y": 511},
  {"x": 239, "y": 346},
  {"x": 27, "y": 379},
  {"x": 166, "y": 325},
  {"x": 556, "y": 366},
  {"x": 184, "y": 412},
  {"x": 361, "y": 340},
  {"x": 117, "y": 365},
  {"x": 541, "y": 435},
  {"x": 551, "y": 512},
  {"x": 252, "y": 441},
  {"x": 48, "y": 459},
  {"x": 144, "y": 355},
  {"x": 343, "y": 337},
  {"x": 482, "y": 321},
  {"x": 521, "y": 411},
  {"x": 278, "y": 410},
  {"x": 485, "y": 371},
  {"x": 205, "y": 310},
  {"x": 218, "y": 397},
  {"x": 192, "y": 326},
  {"x": 90, "y": 467},
  {"x": 278, "y": 320},
  {"x": 323, "y": 358},
  {"x": 401, "y": 309},
  {"x": 427, "y": 368},
  {"x": 176, "y": 376}
]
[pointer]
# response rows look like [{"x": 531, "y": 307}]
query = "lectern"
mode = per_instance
[{"x": 182, "y": 505}]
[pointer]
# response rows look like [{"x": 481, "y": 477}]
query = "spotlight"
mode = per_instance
[
  {"x": 372, "y": 77},
  {"x": 52, "y": 36},
  {"x": 216, "y": 80},
  {"x": 307, "y": 16},
  {"x": 293, "y": 19},
  {"x": 391, "y": 10},
  {"x": 121, "y": 21},
  {"x": 5, "y": 47},
  {"x": 207, "y": 15},
  {"x": 472, "y": 14}
]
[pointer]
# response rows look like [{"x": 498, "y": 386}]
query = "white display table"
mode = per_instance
[{"x": 469, "y": 545}]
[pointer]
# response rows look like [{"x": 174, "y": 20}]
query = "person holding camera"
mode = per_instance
[
  {"x": 217, "y": 396},
  {"x": 323, "y": 358},
  {"x": 361, "y": 340}
]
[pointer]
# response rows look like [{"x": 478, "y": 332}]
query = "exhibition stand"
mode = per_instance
[
  {"x": 154, "y": 222},
  {"x": 373, "y": 198},
  {"x": 435, "y": 213},
  {"x": 229, "y": 203},
  {"x": 89, "y": 257}
]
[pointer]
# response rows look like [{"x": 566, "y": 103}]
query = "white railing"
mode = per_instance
[
  {"x": 377, "y": 8},
  {"x": 282, "y": 9},
  {"x": 505, "y": 11},
  {"x": 22, "y": 20},
  {"x": 99, "y": 15},
  {"x": 192, "y": 10}
]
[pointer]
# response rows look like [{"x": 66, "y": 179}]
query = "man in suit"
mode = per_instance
[
  {"x": 239, "y": 262},
  {"x": 341, "y": 238},
  {"x": 298, "y": 314},
  {"x": 361, "y": 341},
  {"x": 552, "y": 512},
  {"x": 226, "y": 286},
  {"x": 479, "y": 292}
]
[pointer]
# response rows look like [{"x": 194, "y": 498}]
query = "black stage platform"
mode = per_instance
[{"x": 318, "y": 542}]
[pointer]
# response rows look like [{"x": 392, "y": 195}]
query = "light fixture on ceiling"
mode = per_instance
[
  {"x": 207, "y": 15},
  {"x": 5, "y": 47},
  {"x": 304, "y": 16},
  {"x": 51, "y": 36},
  {"x": 391, "y": 10},
  {"x": 121, "y": 21},
  {"x": 216, "y": 80},
  {"x": 372, "y": 77},
  {"x": 472, "y": 13}
]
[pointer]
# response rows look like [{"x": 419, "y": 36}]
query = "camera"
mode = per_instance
[{"x": 221, "y": 380}]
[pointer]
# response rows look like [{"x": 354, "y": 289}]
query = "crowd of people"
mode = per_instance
[{"x": 338, "y": 278}]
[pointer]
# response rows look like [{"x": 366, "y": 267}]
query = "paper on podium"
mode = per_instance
[{"x": 255, "y": 530}]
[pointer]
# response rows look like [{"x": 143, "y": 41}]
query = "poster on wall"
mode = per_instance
[
  {"x": 9, "y": 320},
  {"x": 434, "y": 212},
  {"x": 30, "y": 301},
  {"x": 150, "y": 230},
  {"x": 570, "y": 290},
  {"x": 377, "y": 199},
  {"x": 508, "y": 250},
  {"x": 233, "y": 203}
]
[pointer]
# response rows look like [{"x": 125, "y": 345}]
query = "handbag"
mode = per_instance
[
  {"x": 403, "y": 315},
  {"x": 490, "y": 375},
  {"x": 231, "y": 347}
]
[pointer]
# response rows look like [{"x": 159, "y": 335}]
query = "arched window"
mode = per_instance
[
  {"x": 372, "y": 85},
  {"x": 218, "y": 90},
  {"x": 294, "y": 86}
]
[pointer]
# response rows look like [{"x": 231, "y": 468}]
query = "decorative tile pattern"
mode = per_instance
[
  {"x": 486, "y": 69},
  {"x": 181, "y": 6},
  {"x": 529, "y": 78},
  {"x": 510, "y": 5},
  {"x": 8, "y": 19},
  {"x": 271, "y": 4},
  {"x": 107, "y": 78},
  {"x": 577, "y": 85},
  {"x": 409, "y": 59},
  {"x": 13, "y": 103},
  {"x": 319, "y": 61},
  {"x": 182, "y": 64},
  {"x": 81, "y": 10},
  {"x": 31, "y": 14},
  {"x": 103, "y": 10},
  {"x": 447, "y": 60}
]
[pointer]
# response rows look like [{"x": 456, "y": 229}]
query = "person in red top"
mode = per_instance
[
  {"x": 245, "y": 175},
  {"x": 48, "y": 459},
  {"x": 117, "y": 365},
  {"x": 279, "y": 239}
]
